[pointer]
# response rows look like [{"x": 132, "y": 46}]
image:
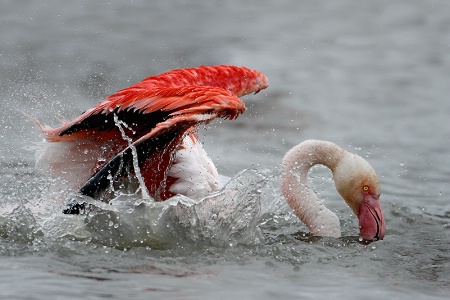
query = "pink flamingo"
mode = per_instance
[
  {"x": 148, "y": 131},
  {"x": 355, "y": 180},
  {"x": 153, "y": 122}
]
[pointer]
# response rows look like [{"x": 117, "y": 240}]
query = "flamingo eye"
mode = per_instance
[{"x": 365, "y": 188}]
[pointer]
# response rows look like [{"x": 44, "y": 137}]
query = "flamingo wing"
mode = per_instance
[
  {"x": 154, "y": 150},
  {"x": 145, "y": 104},
  {"x": 151, "y": 117},
  {"x": 140, "y": 112},
  {"x": 238, "y": 80}
]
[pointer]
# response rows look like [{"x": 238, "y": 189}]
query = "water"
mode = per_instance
[{"x": 370, "y": 76}]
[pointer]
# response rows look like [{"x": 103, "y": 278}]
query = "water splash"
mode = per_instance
[
  {"x": 120, "y": 124},
  {"x": 228, "y": 217},
  {"x": 17, "y": 224}
]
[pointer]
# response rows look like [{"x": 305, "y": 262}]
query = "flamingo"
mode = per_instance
[
  {"x": 355, "y": 180},
  {"x": 149, "y": 131}
]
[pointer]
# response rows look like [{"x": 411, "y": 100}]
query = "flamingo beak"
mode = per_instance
[{"x": 371, "y": 221}]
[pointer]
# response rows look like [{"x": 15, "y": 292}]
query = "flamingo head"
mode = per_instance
[{"x": 357, "y": 182}]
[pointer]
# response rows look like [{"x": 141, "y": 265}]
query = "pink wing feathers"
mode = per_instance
[
  {"x": 152, "y": 117},
  {"x": 167, "y": 93}
]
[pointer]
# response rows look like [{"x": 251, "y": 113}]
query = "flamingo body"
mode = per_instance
[{"x": 153, "y": 122}]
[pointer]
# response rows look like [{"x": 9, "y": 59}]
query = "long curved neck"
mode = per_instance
[{"x": 295, "y": 187}]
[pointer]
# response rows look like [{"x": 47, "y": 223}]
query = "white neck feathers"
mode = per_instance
[{"x": 295, "y": 187}]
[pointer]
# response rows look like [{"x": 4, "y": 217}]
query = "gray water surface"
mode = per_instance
[{"x": 371, "y": 76}]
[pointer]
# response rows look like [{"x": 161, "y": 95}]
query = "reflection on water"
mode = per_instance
[{"x": 371, "y": 77}]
